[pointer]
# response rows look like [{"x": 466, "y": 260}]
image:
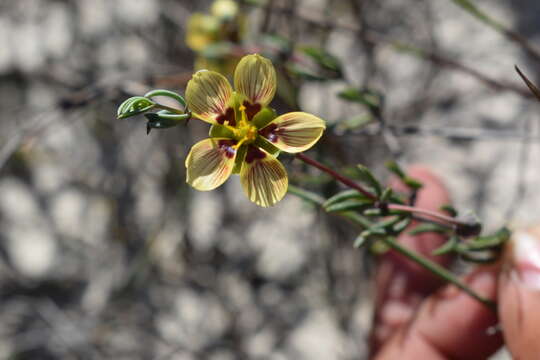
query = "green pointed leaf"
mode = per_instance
[
  {"x": 306, "y": 195},
  {"x": 344, "y": 195},
  {"x": 394, "y": 168},
  {"x": 369, "y": 98},
  {"x": 488, "y": 242},
  {"x": 167, "y": 93},
  {"x": 447, "y": 247},
  {"x": 480, "y": 258},
  {"x": 360, "y": 241},
  {"x": 350, "y": 204},
  {"x": 386, "y": 195},
  {"x": 429, "y": 228},
  {"x": 134, "y": 106},
  {"x": 412, "y": 183},
  {"x": 401, "y": 225},
  {"x": 366, "y": 176},
  {"x": 373, "y": 212},
  {"x": 164, "y": 119},
  {"x": 449, "y": 209},
  {"x": 323, "y": 58}
]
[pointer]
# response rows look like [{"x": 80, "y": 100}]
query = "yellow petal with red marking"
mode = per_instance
[
  {"x": 294, "y": 132},
  {"x": 263, "y": 177},
  {"x": 208, "y": 95},
  {"x": 255, "y": 78},
  {"x": 210, "y": 163}
]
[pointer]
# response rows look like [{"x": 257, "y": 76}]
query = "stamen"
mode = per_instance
[{"x": 243, "y": 119}]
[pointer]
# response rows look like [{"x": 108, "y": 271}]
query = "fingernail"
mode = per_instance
[{"x": 526, "y": 256}]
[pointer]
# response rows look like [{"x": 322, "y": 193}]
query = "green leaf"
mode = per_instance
[
  {"x": 488, "y": 242},
  {"x": 373, "y": 212},
  {"x": 401, "y": 225},
  {"x": 306, "y": 195},
  {"x": 394, "y": 168},
  {"x": 386, "y": 195},
  {"x": 163, "y": 120},
  {"x": 323, "y": 58},
  {"x": 316, "y": 64},
  {"x": 276, "y": 44},
  {"x": 167, "y": 93},
  {"x": 344, "y": 195},
  {"x": 134, "y": 106},
  {"x": 480, "y": 258},
  {"x": 429, "y": 228},
  {"x": 369, "y": 98},
  {"x": 304, "y": 73},
  {"x": 479, "y": 14},
  {"x": 412, "y": 183},
  {"x": 447, "y": 247},
  {"x": 351, "y": 204},
  {"x": 366, "y": 176},
  {"x": 449, "y": 209},
  {"x": 360, "y": 241}
]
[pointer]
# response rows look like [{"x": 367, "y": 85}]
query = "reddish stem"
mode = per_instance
[
  {"x": 428, "y": 213},
  {"x": 410, "y": 209},
  {"x": 342, "y": 179}
]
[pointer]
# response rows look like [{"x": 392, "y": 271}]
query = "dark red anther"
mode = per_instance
[
  {"x": 228, "y": 116},
  {"x": 253, "y": 154},
  {"x": 251, "y": 109}
]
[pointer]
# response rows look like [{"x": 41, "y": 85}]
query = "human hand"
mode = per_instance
[{"x": 417, "y": 318}]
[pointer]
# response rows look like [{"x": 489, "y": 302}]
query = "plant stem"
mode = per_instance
[
  {"x": 428, "y": 213},
  {"x": 437, "y": 270},
  {"x": 427, "y": 264},
  {"x": 344, "y": 180},
  {"x": 410, "y": 209}
]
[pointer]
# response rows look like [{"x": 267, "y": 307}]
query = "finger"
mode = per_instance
[
  {"x": 451, "y": 324},
  {"x": 400, "y": 283},
  {"x": 519, "y": 295}
]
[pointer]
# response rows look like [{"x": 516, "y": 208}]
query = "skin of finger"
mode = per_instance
[
  {"x": 519, "y": 308},
  {"x": 401, "y": 284},
  {"x": 450, "y": 324}
]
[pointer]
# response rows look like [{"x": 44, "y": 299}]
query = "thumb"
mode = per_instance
[{"x": 519, "y": 294}]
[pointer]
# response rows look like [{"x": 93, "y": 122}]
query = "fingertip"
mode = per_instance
[
  {"x": 451, "y": 324},
  {"x": 519, "y": 294}
]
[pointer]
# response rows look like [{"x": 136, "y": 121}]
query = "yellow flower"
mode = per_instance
[
  {"x": 214, "y": 36},
  {"x": 202, "y": 30},
  {"x": 246, "y": 135}
]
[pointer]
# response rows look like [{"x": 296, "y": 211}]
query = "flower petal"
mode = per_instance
[
  {"x": 255, "y": 78},
  {"x": 208, "y": 95},
  {"x": 263, "y": 177},
  {"x": 294, "y": 132},
  {"x": 210, "y": 163}
]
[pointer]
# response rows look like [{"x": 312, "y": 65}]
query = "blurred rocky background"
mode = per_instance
[{"x": 106, "y": 253}]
